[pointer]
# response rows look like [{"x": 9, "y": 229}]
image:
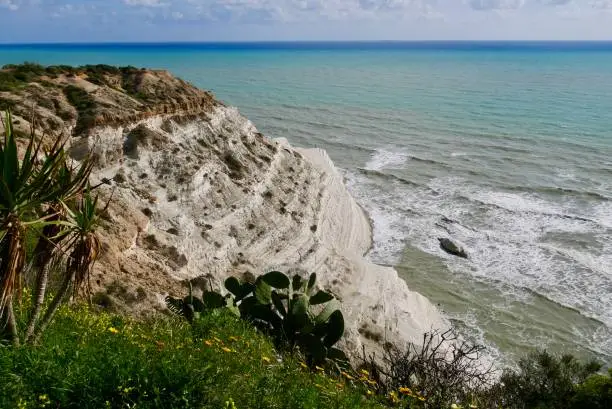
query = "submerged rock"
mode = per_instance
[{"x": 452, "y": 248}]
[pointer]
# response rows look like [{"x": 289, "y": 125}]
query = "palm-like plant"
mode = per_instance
[
  {"x": 48, "y": 247},
  {"x": 31, "y": 187},
  {"x": 82, "y": 248}
]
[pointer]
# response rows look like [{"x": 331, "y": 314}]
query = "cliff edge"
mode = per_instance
[{"x": 198, "y": 193}]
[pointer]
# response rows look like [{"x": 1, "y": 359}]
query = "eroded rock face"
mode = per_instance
[{"x": 197, "y": 191}]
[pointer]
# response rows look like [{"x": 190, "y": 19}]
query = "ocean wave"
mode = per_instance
[
  {"x": 517, "y": 203},
  {"x": 383, "y": 159},
  {"x": 504, "y": 234},
  {"x": 389, "y": 176},
  {"x": 560, "y": 192}
]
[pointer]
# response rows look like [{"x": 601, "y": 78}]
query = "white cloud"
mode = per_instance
[
  {"x": 9, "y": 4},
  {"x": 146, "y": 3},
  {"x": 316, "y": 19},
  {"x": 556, "y": 2},
  {"x": 602, "y": 4},
  {"x": 486, "y": 5}
]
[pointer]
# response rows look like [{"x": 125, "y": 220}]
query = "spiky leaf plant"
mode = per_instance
[
  {"x": 73, "y": 179},
  {"x": 29, "y": 190},
  {"x": 82, "y": 246},
  {"x": 23, "y": 190}
]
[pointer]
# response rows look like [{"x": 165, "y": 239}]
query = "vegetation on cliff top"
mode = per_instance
[
  {"x": 91, "y": 359},
  {"x": 94, "y": 95},
  {"x": 16, "y": 76},
  {"x": 97, "y": 360}
]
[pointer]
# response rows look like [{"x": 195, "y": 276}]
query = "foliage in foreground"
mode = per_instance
[
  {"x": 443, "y": 368},
  {"x": 449, "y": 375},
  {"x": 290, "y": 310},
  {"x": 98, "y": 360},
  {"x": 546, "y": 381},
  {"x": 89, "y": 360}
]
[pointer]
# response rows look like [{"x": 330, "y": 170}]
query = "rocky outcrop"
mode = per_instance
[
  {"x": 197, "y": 191},
  {"x": 452, "y": 248}
]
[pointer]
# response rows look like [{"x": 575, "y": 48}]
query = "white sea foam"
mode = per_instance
[
  {"x": 566, "y": 174},
  {"x": 384, "y": 159},
  {"x": 504, "y": 234},
  {"x": 603, "y": 213}
]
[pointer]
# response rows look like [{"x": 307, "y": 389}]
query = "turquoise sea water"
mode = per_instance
[{"x": 505, "y": 148}]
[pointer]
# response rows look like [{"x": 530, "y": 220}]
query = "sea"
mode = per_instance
[{"x": 503, "y": 147}]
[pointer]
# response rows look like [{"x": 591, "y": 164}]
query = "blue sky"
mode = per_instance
[{"x": 239, "y": 20}]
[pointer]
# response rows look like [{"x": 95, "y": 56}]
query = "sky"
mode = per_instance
[{"x": 285, "y": 20}]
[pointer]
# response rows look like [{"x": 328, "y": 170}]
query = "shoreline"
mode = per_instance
[{"x": 409, "y": 314}]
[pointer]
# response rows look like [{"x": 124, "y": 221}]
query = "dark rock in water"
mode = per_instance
[{"x": 451, "y": 248}]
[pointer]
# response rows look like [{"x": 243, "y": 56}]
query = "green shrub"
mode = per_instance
[
  {"x": 85, "y": 106},
  {"x": 544, "y": 381},
  {"x": 594, "y": 393}
]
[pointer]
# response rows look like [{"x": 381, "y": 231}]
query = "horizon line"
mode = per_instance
[{"x": 215, "y": 42}]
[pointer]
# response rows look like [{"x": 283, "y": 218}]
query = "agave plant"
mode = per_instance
[{"x": 31, "y": 186}]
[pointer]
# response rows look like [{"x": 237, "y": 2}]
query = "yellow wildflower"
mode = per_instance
[
  {"x": 266, "y": 359},
  {"x": 421, "y": 398},
  {"x": 371, "y": 382},
  {"x": 44, "y": 400},
  {"x": 226, "y": 349},
  {"x": 455, "y": 406},
  {"x": 229, "y": 404},
  {"x": 319, "y": 368},
  {"x": 366, "y": 373},
  {"x": 369, "y": 393},
  {"x": 209, "y": 343},
  {"x": 405, "y": 391},
  {"x": 113, "y": 330},
  {"x": 303, "y": 365},
  {"x": 232, "y": 338},
  {"x": 218, "y": 340},
  {"x": 393, "y": 397}
]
